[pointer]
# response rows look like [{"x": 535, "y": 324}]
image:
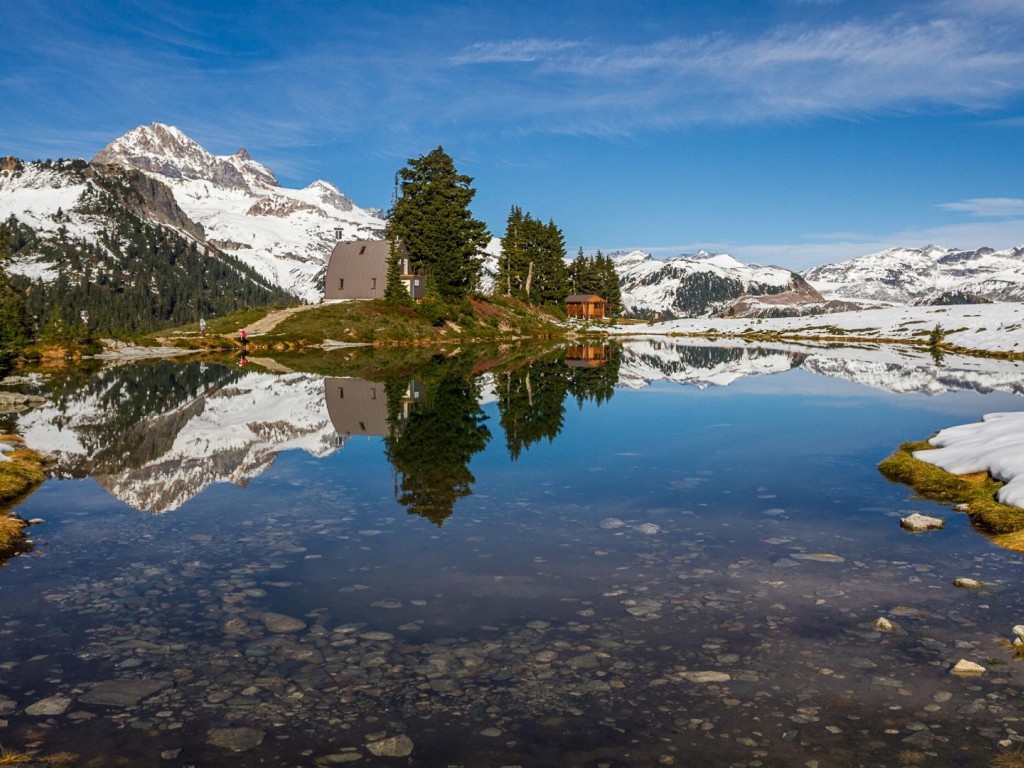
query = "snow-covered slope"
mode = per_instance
[
  {"x": 908, "y": 275},
  {"x": 698, "y": 284},
  {"x": 284, "y": 234}
]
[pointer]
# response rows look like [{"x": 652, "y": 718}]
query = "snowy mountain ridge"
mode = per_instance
[
  {"x": 924, "y": 275},
  {"x": 704, "y": 283},
  {"x": 284, "y": 234}
]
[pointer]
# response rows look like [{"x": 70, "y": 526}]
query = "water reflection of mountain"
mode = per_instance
[
  {"x": 156, "y": 435},
  {"x": 648, "y": 360},
  {"x": 893, "y": 369}
]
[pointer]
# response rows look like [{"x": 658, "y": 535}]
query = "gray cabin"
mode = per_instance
[{"x": 358, "y": 269}]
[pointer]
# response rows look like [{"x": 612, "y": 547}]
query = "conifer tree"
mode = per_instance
[
  {"x": 431, "y": 218},
  {"x": 395, "y": 291}
]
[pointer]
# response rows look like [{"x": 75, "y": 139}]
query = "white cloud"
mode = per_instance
[{"x": 992, "y": 207}]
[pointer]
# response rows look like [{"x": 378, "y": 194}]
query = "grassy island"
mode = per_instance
[
  {"x": 19, "y": 476},
  {"x": 974, "y": 494}
]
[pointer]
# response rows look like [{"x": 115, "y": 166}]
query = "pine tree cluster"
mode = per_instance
[
  {"x": 596, "y": 275},
  {"x": 532, "y": 266}
]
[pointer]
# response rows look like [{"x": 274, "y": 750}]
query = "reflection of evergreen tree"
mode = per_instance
[
  {"x": 597, "y": 383},
  {"x": 431, "y": 449},
  {"x": 530, "y": 401}
]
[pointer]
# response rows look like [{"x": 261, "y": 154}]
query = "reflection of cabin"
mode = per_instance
[
  {"x": 585, "y": 356},
  {"x": 585, "y": 305},
  {"x": 359, "y": 270},
  {"x": 360, "y": 407}
]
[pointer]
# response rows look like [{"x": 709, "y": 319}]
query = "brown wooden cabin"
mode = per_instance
[
  {"x": 358, "y": 269},
  {"x": 585, "y": 306}
]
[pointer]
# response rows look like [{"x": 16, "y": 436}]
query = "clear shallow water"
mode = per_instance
[{"x": 665, "y": 574}]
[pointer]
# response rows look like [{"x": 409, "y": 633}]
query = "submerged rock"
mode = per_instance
[
  {"x": 964, "y": 667},
  {"x": 393, "y": 746},
  {"x": 122, "y": 693},
  {"x": 917, "y": 523},
  {"x": 280, "y": 624},
  {"x": 53, "y": 705},
  {"x": 884, "y": 625},
  {"x": 965, "y": 583},
  {"x": 235, "y": 739}
]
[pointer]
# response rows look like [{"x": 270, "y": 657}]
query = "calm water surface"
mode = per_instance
[{"x": 653, "y": 555}]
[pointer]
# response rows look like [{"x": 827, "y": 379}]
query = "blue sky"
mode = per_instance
[{"x": 793, "y": 132}]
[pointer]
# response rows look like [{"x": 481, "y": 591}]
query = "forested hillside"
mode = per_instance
[{"x": 128, "y": 274}]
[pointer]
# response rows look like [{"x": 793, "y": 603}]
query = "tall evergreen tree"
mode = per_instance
[
  {"x": 431, "y": 218},
  {"x": 532, "y": 265}
]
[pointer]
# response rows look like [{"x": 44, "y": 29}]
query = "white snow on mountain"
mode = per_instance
[
  {"x": 906, "y": 275},
  {"x": 284, "y": 234},
  {"x": 44, "y": 198},
  {"x": 667, "y": 286}
]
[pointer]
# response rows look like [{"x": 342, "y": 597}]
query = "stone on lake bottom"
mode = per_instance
[
  {"x": 53, "y": 705},
  {"x": 965, "y": 583},
  {"x": 964, "y": 667},
  {"x": 709, "y": 676},
  {"x": 235, "y": 739},
  {"x": 883, "y": 624},
  {"x": 611, "y": 523},
  {"x": 280, "y": 624},
  {"x": 917, "y": 523},
  {"x": 122, "y": 693},
  {"x": 1018, "y": 630},
  {"x": 393, "y": 746}
]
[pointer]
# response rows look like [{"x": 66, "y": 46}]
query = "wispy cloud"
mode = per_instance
[
  {"x": 991, "y": 207},
  {"x": 898, "y": 63},
  {"x": 513, "y": 51}
]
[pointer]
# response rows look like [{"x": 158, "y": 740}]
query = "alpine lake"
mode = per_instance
[{"x": 651, "y": 553}]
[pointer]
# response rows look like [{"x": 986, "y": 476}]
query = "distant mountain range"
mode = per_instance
[{"x": 233, "y": 207}]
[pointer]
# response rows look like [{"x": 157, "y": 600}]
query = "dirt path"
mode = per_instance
[{"x": 270, "y": 322}]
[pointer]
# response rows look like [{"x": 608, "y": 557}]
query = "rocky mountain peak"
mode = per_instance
[{"x": 165, "y": 151}]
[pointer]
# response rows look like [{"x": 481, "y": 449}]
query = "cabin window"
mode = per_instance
[
  {"x": 341, "y": 284},
  {"x": 373, "y": 283},
  {"x": 362, "y": 250},
  {"x": 341, "y": 393},
  {"x": 373, "y": 393},
  {"x": 362, "y": 426}
]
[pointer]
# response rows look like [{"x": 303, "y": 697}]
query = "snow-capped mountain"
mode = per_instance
[
  {"x": 698, "y": 284},
  {"x": 924, "y": 275},
  {"x": 284, "y": 234}
]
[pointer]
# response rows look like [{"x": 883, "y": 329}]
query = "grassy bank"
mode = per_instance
[
  {"x": 18, "y": 477},
  {"x": 376, "y": 322},
  {"x": 973, "y": 494}
]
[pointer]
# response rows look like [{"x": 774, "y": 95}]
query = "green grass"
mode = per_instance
[{"x": 976, "y": 491}]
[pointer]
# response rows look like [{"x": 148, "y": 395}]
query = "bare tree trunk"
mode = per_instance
[{"x": 529, "y": 278}]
